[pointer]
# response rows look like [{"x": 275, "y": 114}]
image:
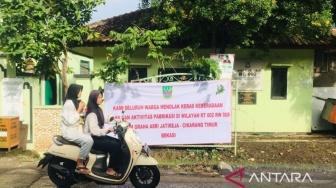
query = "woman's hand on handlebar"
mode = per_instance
[{"x": 111, "y": 129}]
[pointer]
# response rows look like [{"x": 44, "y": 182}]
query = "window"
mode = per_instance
[
  {"x": 84, "y": 67},
  {"x": 324, "y": 60},
  {"x": 136, "y": 73},
  {"x": 279, "y": 83},
  {"x": 324, "y": 68}
]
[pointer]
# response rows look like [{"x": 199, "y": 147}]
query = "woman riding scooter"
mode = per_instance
[
  {"x": 135, "y": 162},
  {"x": 70, "y": 121},
  {"x": 94, "y": 126}
]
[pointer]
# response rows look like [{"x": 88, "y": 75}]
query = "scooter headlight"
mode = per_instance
[{"x": 145, "y": 149}]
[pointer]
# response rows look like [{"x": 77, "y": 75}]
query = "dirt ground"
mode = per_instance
[{"x": 303, "y": 150}]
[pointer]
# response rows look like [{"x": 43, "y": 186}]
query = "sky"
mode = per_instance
[{"x": 113, "y": 8}]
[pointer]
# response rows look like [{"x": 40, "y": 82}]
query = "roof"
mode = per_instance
[
  {"x": 117, "y": 23},
  {"x": 122, "y": 22},
  {"x": 299, "y": 42}
]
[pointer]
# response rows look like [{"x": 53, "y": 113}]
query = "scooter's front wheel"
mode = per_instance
[
  {"x": 61, "y": 172},
  {"x": 145, "y": 176}
]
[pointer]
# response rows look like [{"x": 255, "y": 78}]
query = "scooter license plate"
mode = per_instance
[{"x": 146, "y": 149}]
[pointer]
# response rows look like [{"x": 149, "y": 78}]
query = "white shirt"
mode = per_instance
[
  {"x": 91, "y": 126},
  {"x": 70, "y": 117}
]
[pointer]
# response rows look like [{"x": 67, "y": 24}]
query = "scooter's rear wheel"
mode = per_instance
[
  {"x": 61, "y": 172},
  {"x": 145, "y": 176}
]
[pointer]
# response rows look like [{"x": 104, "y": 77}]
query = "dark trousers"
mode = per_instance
[{"x": 109, "y": 145}]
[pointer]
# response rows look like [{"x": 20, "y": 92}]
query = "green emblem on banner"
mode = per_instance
[{"x": 167, "y": 92}]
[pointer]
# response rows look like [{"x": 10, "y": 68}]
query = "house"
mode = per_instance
[
  {"x": 274, "y": 91},
  {"x": 41, "y": 97},
  {"x": 288, "y": 76}
]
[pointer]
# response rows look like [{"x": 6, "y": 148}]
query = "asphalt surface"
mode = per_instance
[
  {"x": 18, "y": 174},
  {"x": 26, "y": 174}
]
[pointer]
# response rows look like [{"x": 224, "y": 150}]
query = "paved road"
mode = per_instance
[{"x": 27, "y": 175}]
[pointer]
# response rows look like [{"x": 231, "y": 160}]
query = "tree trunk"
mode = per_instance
[
  {"x": 64, "y": 74},
  {"x": 213, "y": 42},
  {"x": 224, "y": 42}
]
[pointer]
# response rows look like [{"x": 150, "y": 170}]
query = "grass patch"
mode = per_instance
[
  {"x": 192, "y": 157},
  {"x": 24, "y": 156}
]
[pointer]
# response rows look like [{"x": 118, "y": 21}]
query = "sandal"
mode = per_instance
[
  {"x": 83, "y": 170},
  {"x": 115, "y": 175}
]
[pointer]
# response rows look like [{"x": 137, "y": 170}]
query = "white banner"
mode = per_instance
[
  {"x": 250, "y": 75},
  {"x": 12, "y": 97},
  {"x": 176, "y": 112}
]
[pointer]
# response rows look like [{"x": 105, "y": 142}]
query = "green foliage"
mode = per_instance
[
  {"x": 202, "y": 65},
  {"x": 134, "y": 38},
  {"x": 230, "y": 22},
  {"x": 21, "y": 155},
  {"x": 299, "y": 20},
  {"x": 204, "y": 155},
  {"x": 144, "y": 4},
  {"x": 244, "y": 23},
  {"x": 127, "y": 42},
  {"x": 44, "y": 30},
  {"x": 220, "y": 89}
]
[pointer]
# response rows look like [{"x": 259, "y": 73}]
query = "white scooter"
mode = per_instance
[{"x": 136, "y": 162}]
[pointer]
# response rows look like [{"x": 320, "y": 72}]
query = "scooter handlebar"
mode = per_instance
[{"x": 118, "y": 129}]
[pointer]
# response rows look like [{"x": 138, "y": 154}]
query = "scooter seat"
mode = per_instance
[
  {"x": 60, "y": 139},
  {"x": 94, "y": 151}
]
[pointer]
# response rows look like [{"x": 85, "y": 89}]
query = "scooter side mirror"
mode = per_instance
[{"x": 110, "y": 118}]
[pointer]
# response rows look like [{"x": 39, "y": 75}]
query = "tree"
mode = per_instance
[
  {"x": 244, "y": 23},
  {"x": 134, "y": 38},
  {"x": 44, "y": 30},
  {"x": 220, "y": 23}
]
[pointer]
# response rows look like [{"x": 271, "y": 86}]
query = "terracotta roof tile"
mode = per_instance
[
  {"x": 117, "y": 23},
  {"x": 122, "y": 22}
]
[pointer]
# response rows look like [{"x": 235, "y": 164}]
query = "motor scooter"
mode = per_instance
[{"x": 135, "y": 161}]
